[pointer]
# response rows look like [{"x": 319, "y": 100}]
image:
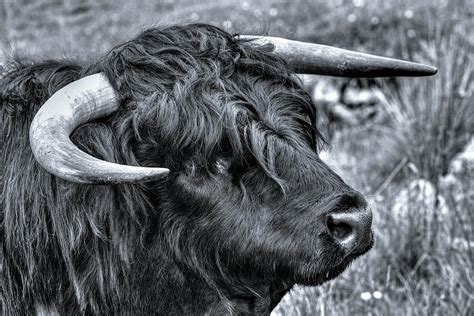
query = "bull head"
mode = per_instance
[{"x": 93, "y": 97}]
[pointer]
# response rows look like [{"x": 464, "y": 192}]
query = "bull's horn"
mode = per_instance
[
  {"x": 309, "y": 58},
  {"x": 77, "y": 103}
]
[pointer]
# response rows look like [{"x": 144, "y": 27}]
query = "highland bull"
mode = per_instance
[{"x": 177, "y": 174}]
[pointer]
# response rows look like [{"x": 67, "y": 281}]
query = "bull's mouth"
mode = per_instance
[
  {"x": 359, "y": 253},
  {"x": 337, "y": 268}
]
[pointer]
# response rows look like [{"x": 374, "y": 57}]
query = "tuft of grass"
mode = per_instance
[{"x": 432, "y": 118}]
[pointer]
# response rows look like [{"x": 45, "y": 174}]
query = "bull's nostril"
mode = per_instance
[
  {"x": 348, "y": 221},
  {"x": 351, "y": 229},
  {"x": 340, "y": 231}
]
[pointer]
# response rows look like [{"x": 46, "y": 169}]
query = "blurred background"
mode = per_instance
[{"x": 407, "y": 144}]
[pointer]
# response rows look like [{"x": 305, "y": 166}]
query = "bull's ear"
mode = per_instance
[
  {"x": 309, "y": 58},
  {"x": 81, "y": 101}
]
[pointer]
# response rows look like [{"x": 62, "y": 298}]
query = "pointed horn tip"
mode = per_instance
[
  {"x": 155, "y": 174},
  {"x": 432, "y": 71},
  {"x": 425, "y": 70}
]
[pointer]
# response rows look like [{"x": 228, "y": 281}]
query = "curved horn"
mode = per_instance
[
  {"x": 81, "y": 101},
  {"x": 309, "y": 58}
]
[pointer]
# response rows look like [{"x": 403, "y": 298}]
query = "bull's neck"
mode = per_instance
[{"x": 171, "y": 290}]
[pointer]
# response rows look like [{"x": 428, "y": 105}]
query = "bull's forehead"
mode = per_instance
[
  {"x": 267, "y": 112},
  {"x": 278, "y": 124}
]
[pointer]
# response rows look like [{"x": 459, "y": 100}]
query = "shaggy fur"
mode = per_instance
[{"x": 233, "y": 227}]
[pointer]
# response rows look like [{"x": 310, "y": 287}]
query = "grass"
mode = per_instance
[
  {"x": 422, "y": 262},
  {"x": 433, "y": 118}
]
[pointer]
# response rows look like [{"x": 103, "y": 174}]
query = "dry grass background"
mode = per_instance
[{"x": 409, "y": 161}]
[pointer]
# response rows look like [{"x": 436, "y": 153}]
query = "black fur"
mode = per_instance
[{"x": 234, "y": 226}]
